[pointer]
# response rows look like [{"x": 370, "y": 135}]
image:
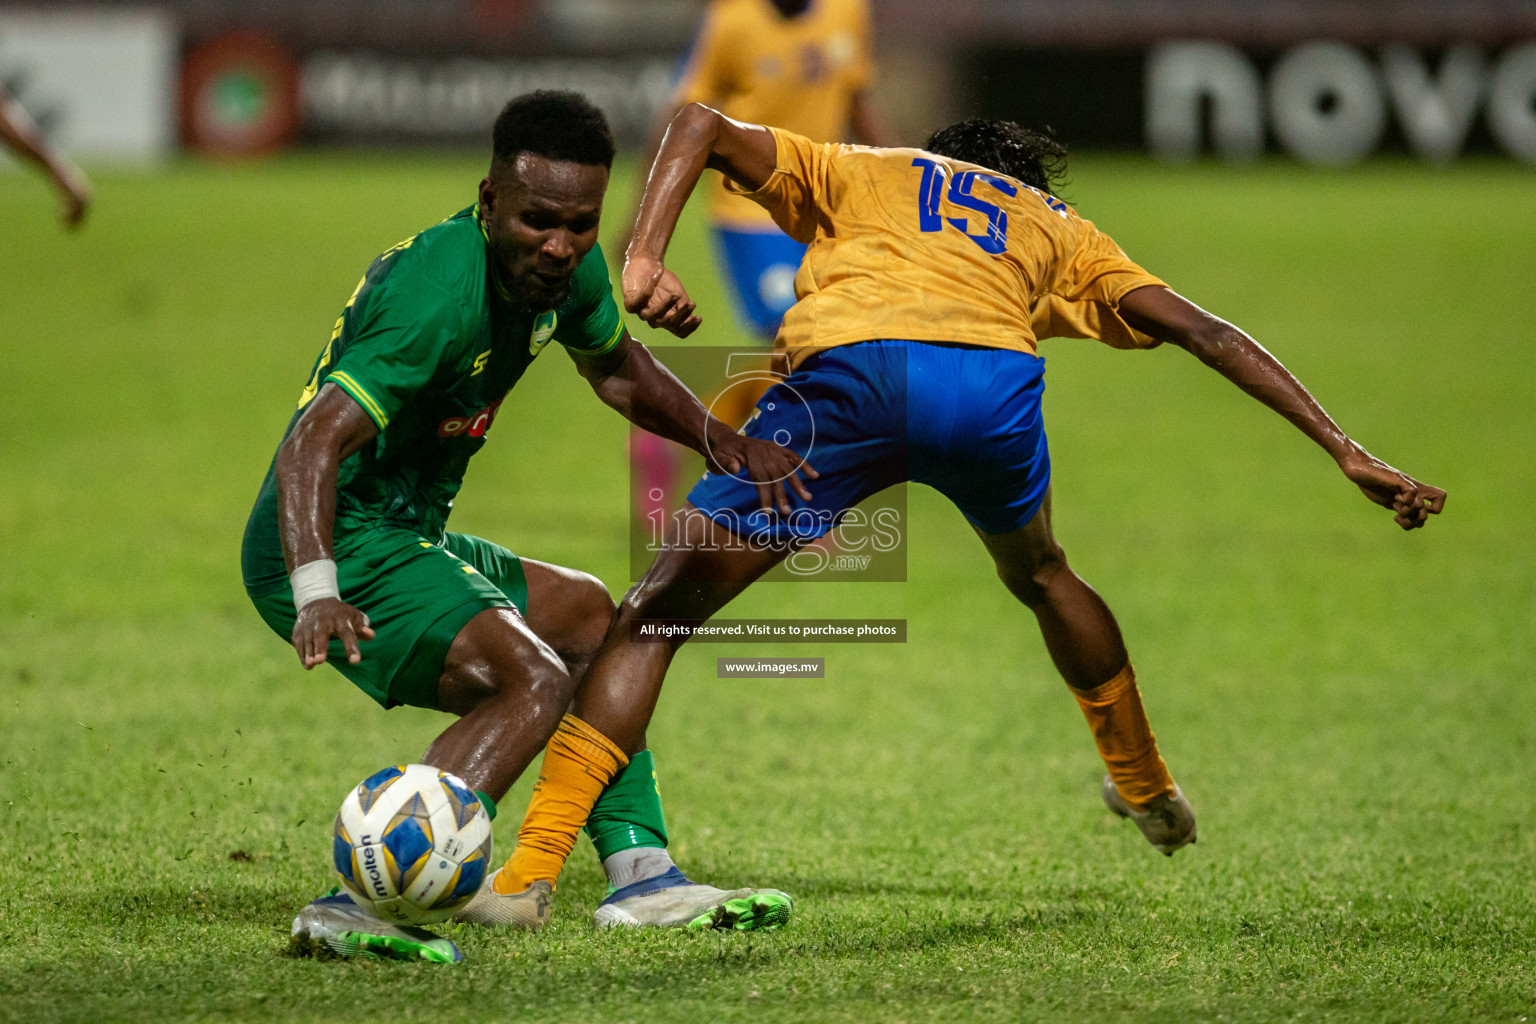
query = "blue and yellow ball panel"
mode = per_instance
[
  {"x": 408, "y": 840},
  {"x": 341, "y": 853},
  {"x": 374, "y": 786},
  {"x": 461, "y": 800},
  {"x": 471, "y": 875}
]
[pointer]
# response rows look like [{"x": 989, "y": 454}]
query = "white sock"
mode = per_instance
[{"x": 636, "y": 864}]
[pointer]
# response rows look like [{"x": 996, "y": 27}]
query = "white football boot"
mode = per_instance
[
  {"x": 528, "y": 909},
  {"x": 1168, "y": 822},
  {"x": 670, "y": 900}
]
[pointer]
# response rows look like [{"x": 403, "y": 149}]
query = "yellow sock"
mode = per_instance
[
  {"x": 1125, "y": 739},
  {"x": 578, "y": 763}
]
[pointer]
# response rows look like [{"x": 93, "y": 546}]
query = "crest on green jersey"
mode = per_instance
[{"x": 543, "y": 330}]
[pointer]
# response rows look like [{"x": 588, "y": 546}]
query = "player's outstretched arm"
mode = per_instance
[
  {"x": 21, "y": 135},
  {"x": 698, "y": 137},
  {"x": 1168, "y": 316},
  {"x": 653, "y": 137},
  {"x": 333, "y": 427},
  {"x": 630, "y": 380}
]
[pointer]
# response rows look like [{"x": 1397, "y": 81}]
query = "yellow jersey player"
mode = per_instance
[{"x": 930, "y": 277}]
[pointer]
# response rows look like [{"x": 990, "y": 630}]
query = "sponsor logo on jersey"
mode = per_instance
[
  {"x": 480, "y": 361},
  {"x": 543, "y": 330},
  {"x": 475, "y": 425}
]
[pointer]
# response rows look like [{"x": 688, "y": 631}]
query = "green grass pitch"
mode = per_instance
[{"x": 1350, "y": 708}]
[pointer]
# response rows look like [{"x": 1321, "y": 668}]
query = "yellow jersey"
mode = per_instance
[
  {"x": 753, "y": 64},
  {"x": 906, "y": 244}
]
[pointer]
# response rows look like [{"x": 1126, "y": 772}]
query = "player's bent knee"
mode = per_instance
[
  {"x": 568, "y": 609},
  {"x": 592, "y": 611},
  {"x": 496, "y": 656},
  {"x": 1029, "y": 579},
  {"x": 532, "y": 684}
]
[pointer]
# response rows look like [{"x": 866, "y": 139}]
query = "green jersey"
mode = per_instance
[{"x": 429, "y": 345}]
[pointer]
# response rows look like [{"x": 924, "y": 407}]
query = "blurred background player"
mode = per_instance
[
  {"x": 806, "y": 65},
  {"x": 21, "y": 135}
]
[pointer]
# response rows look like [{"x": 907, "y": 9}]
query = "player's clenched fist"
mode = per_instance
[
  {"x": 324, "y": 618},
  {"x": 1411, "y": 502},
  {"x": 656, "y": 296}
]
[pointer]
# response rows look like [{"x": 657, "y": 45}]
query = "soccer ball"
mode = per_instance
[{"x": 412, "y": 844}]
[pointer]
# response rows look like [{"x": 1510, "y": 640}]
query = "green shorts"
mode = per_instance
[{"x": 417, "y": 596}]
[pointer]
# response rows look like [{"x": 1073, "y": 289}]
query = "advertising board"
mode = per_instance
[
  {"x": 1322, "y": 102},
  {"x": 100, "y": 83}
]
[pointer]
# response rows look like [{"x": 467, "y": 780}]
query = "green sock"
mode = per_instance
[
  {"x": 628, "y": 813},
  {"x": 490, "y": 805}
]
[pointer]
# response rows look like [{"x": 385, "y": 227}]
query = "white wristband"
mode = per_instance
[{"x": 312, "y": 581}]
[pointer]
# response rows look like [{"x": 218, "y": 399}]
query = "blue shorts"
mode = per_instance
[
  {"x": 963, "y": 419},
  {"x": 761, "y": 267}
]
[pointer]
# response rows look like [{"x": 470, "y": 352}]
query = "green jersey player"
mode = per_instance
[{"x": 347, "y": 554}]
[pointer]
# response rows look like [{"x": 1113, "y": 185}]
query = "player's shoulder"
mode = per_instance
[
  {"x": 876, "y": 161},
  {"x": 454, "y": 244},
  {"x": 443, "y": 265}
]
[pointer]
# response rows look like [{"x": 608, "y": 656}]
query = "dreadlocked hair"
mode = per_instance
[{"x": 1034, "y": 157}]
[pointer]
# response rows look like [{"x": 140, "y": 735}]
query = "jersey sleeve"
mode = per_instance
[
  {"x": 1084, "y": 300},
  {"x": 705, "y": 73},
  {"x": 796, "y": 190},
  {"x": 589, "y": 321},
  {"x": 395, "y": 350}
]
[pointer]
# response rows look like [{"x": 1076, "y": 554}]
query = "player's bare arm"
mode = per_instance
[
  {"x": 1168, "y": 316},
  {"x": 630, "y": 380},
  {"x": 20, "y": 134},
  {"x": 653, "y": 138},
  {"x": 332, "y": 428},
  {"x": 698, "y": 137}
]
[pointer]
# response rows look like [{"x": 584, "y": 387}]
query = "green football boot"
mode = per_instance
[
  {"x": 672, "y": 901},
  {"x": 335, "y": 926}
]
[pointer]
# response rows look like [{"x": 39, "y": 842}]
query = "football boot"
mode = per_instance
[
  {"x": 333, "y": 925},
  {"x": 528, "y": 909},
  {"x": 672, "y": 901},
  {"x": 1168, "y": 822}
]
